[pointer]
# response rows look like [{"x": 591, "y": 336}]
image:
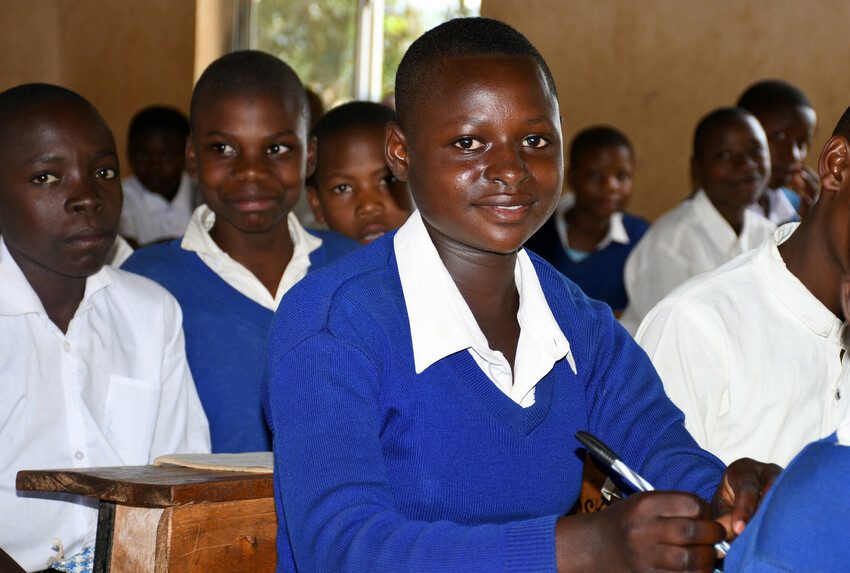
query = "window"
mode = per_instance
[{"x": 347, "y": 49}]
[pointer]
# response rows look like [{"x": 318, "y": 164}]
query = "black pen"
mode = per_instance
[{"x": 606, "y": 455}]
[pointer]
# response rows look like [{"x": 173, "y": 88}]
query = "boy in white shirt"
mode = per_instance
[
  {"x": 754, "y": 353},
  {"x": 731, "y": 165},
  {"x": 93, "y": 369}
]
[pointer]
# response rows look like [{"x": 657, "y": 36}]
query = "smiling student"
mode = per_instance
[
  {"x": 92, "y": 363},
  {"x": 731, "y": 165},
  {"x": 424, "y": 393},
  {"x": 244, "y": 248}
]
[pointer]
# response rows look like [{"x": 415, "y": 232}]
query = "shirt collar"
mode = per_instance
[
  {"x": 616, "y": 229},
  {"x": 719, "y": 230},
  {"x": 793, "y": 295},
  {"x": 197, "y": 237},
  {"x": 427, "y": 285},
  {"x": 18, "y": 296}
]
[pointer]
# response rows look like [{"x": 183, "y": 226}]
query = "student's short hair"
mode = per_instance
[
  {"x": 246, "y": 73},
  {"x": 18, "y": 99},
  {"x": 596, "y": 137},
  {"x": 157, "y": 117},
  {"x": 769, "y": 95},
  {"x": 458, "y": 37},
  {"x": 710, "y": 120},
  {"x": 352, "y": 115},
  {"x": 842, "y": 128}
]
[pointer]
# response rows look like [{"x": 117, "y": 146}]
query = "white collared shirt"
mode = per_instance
[
  {"x": 692, "y": 238},
  {"x": 780, "y": 209},
  {"x": 114, "y": 390},
  {"x": 148, "y": 217},
  {"x": 198, "y": 239},
  {"x": 751, "y": 357},
  {"x": 616, "y": 230},
  {"x": 441, "y": 322}
]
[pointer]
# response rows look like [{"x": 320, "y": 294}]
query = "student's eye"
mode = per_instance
[
  {"x": 468, "y": 143},
  {"x": 44, "y": 179},
  {"x": 223, "y": 148},
  {"x": 277, "y": 149},
  {"x": 106, "y": 173},
  {"x": 340, "y": 189},
  {"x": 388, "y": 180},
  {"x": 535, "y": 141},
  {"x": 594, "y": 176},
  {"x": 624, "y": 176},
  {"x": 724, "y": 154}
]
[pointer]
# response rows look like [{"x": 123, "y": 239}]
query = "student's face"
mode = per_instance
[
  {"x": 356, "y": 194},
  {"x": 483, "y": 153},
  {"x": 251, "y": 156},
  {"x": 733, "y": 167},
  {"x": 602, "y": 180},
  {"x": 789, "y": 134},
  {"x": 158, "y": 157},
  {"x": 60, "y": 194}
]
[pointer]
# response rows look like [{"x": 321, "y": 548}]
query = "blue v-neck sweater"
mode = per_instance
[
  {"x": 225, "y": 337},
  {"x": 380, "y": 469}
]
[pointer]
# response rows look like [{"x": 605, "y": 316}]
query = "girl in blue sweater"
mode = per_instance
[{"x": 424, "y": 394}]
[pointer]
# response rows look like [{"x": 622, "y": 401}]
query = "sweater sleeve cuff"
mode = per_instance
[{"x": 530, "y": 545}]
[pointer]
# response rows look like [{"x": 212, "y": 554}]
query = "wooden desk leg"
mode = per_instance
[{"x": 103, "y": 539}]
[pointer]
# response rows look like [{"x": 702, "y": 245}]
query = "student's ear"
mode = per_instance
[
  {"x": 833, "y": 164},
  {"x": 396, "y": 151},
  {"x": 311, "y": 155},
  {"x": 191, "y": 159},
  {"x": 315, "y": 204},
  {"x": 845, "y": 296}
]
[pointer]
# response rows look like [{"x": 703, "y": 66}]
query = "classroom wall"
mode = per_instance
[
  {"x": 121, "y": 55},
  {"x": 654, "y": 67}
]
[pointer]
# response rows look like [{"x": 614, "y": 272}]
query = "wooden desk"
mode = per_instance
[{"x": 172, "y": 519}]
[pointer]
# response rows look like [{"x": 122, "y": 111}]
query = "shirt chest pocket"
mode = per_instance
[{"x": 132, "y": 408}]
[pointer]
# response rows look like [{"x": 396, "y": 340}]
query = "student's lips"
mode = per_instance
[
  {"x": 372, "y": 232},
  {"x": 88, "y": 239},
  {"x": 252, "y": 204},
  {"x": 507, "y": 212}
]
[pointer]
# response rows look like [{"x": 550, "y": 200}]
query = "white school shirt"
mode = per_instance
[
  {"x": 780, "y": 209},
  {"x": 751, "y": 357},
  {"x": 148, "y": 217},
  {"x": 441, "y": 322},
  {"x": 198, "y": 239},
  {"x": 616, "y": 230},
  {"x": 692, "y": 238},
  {"x": 115, "y": 390}
]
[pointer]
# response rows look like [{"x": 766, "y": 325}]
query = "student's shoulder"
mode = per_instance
[
  {"x": 155, "y": 259},
  {"x": 760, "y": 226},
  {"x": 635, "y": 226},
  {"x": 334, "y": 245},
  {"x": 141, "y": 294},
  {"x": 565, "y": 298}
]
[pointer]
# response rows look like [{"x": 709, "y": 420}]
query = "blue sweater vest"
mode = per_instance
[
  {"x": 600, "y": 275},
  {"x": 225, "y": 337},
  {"x": 380, "y": 469}
]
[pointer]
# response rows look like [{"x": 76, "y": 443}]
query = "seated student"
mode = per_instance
[
  {"x": 403, "y": 439},
  {"x": 731, "y": 165},
  {"x": 589, "y": 237},
  {"x": 93, "y": 369},
  {"x": 352, "y": 190},
  {"x": 789, "y": 121},
  {"x": 753, "y": 353},
  {"x": 159, "y": 196},
  {"x": 244, "y": 248}
]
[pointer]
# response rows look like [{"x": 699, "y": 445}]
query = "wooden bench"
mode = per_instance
[{"x": 172, "y": 519}]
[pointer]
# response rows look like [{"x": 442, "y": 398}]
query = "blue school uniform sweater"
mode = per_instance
[
  {"x": 225, "y": 337},
  {"x": 803, "y": 524},
  {"x": 600, "y": 274},
  {"x": 380, "y": 469}
]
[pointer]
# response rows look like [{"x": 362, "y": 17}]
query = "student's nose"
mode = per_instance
[
  {"x": 85, "y": 196},
  {"x": 369, "y": 202},
  {"x": 507, "y": 165},
  {"x": 250, "y": 167}
]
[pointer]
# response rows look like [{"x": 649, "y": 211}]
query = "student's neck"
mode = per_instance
[
  {"x": 585, "y": 231},
  {"x": 60, "y": 295},
  {"x": 266, "y": 255},
  {"x": 733, "y": 216},
  {"x": 487, "y": 284},
  {"x": 806, "y": 256}
]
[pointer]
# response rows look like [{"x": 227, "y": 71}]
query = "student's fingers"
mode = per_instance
[
  {"x": 684, "y": 531},
  {"x": 683, "y": 558},
  {"x": 741, "y": 490},
  {"x": 677, "y": 504}
]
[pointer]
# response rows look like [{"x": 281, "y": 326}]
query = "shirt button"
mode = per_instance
[
  {"x": 78, "y": 455},
  {"x": 67, "y": 346},
  {"x": 838, "y": 394}
]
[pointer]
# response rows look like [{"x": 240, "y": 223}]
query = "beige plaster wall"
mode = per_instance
[
  {"x": 654, "y": 67},
  {"x": 120, "y": 54}
]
